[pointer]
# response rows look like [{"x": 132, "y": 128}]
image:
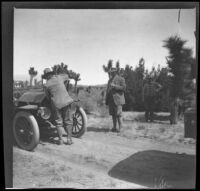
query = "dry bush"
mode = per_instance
[
  {"x": 103, "y": 111},
  {"x": 90, "y": 175},
  {"x": 92, "y": 102},
  {"x": 161, "y": 184},
  {"x": 162, "y": 129},
  {"x": 141, "y": 127},
  {"x": 88, "y": 105}
]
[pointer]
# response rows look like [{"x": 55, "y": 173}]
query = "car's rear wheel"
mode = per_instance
[
  {"x": 26, "y": 130},
  {"x": 79, "y": 123}
]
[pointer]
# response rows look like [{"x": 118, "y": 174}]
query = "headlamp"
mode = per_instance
[{"x": 44, "y": 112}]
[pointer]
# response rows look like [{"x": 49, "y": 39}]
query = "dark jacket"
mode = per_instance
[
  {"x": 151, "y": 89},
  {"x": 56, "y": 91},
  {"x": 116, "y": 92}
]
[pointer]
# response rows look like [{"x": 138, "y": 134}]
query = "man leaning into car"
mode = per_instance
[{"x": 60, "y": 102}]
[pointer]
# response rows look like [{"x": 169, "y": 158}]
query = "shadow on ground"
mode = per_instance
[
  {"x": 97, "y": 129},
  {"x": 161, "y": 117},
  {"x": 158, "y": 118},
  {"x": 49, "y": 136},
  {"x": 157, "y": 169}
]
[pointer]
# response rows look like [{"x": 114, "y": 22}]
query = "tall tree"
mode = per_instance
[
  {"x": 130, "y": 78},
  {"x": 178, "y": 61},
  {"x": 32, "y": 73},
  {"x": 140, "y": 73}
]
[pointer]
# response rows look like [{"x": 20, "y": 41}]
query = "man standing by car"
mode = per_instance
[
  {"x": 115, "y": 98},
  {"x": 60, "y": 102},
  {"x": 150, "y": 90}
]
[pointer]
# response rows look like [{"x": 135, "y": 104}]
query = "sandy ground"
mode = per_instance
[{"x": 153, "y": 155}]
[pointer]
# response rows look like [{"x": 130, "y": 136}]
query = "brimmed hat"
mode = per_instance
[
  {"x": 112, "y": 70},
  {"x": 47, "y": 71}
]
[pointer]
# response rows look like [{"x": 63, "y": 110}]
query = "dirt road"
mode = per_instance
[{"x": 154, "y": 155}]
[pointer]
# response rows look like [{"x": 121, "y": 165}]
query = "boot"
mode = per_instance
[
  {"x": 59, "y": 130},
  {"x": 69, "y": 134},
  {"x": 114, "y": 129},
  {"x": 60, "y": 142}
]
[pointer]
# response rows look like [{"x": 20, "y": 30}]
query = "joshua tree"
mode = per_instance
[
  {"x": 32, "y": 73},
  {"x": 77, "y": 78},
  {"x": 141, "y": 61},
  {"x": 178, "y": 61},
  {"x": 60, "y": 68},
  {"x": 108, "y": 67},
  {"x": 63, "y": 69},
  {"x": 118, "y": 66},
  {"x": 120, "y": 70}
]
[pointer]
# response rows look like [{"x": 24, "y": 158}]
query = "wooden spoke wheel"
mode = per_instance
[
  {"x": 26, "y": 130},
  {"x": 79, "y": 123}
]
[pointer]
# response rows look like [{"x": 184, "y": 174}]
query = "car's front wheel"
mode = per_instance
[
  {"x": 79, "y": 123},
  {"x": 26, "y": 130}
]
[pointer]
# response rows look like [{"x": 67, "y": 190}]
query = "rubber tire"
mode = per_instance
[
  {"x": 36, "y": 133},
  {"x": 84, "y": 127}
]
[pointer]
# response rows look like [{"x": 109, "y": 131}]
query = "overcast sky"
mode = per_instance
[{"x": 85, "y": 39}]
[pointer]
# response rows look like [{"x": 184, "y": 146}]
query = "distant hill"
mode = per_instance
[
  {"x": 21, "y": 77},
  {"x": 26, "y": 77},
  {"x": 93, "y": 86}
]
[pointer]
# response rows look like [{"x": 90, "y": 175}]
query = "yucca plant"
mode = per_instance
[
  {"x": 179, "y": 61},
  {"x": 32, "y": 72}
]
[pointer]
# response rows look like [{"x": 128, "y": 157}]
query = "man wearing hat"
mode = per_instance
[
  {"x": 60, "y": 101},
  {"x": 115, "y": 97},
  {"x": 150, "y": 90}
]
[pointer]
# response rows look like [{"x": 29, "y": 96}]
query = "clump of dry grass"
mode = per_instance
[
  {"x": 140, "y": 127},
  {"x": 90, "y": 158},
  {"x": 113, "y": 184},
  {"x": 67, "y": 178},
  {"x": 91, "y": 102},
  {"x": 161, "y": 183},
  {"x": 62, "y": 168},
  {"x": 162, "y": 129},
  {"x": 103, "y": 111},
  {"x": 90, "y": 175},
  {"x": 57, "y": 178}
]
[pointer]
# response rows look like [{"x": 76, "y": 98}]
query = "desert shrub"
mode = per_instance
[
  {"x": 92, "y": 101},
  {"x": 88, "y": 105},
  {"x": 162, "y": 129},
  {"x": 103, "y": 111},
  {"x": 161, "y": 184}
]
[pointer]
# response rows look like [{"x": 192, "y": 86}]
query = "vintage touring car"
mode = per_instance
[{"x": 33, "y": 115}]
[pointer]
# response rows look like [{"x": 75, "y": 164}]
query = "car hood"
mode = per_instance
[{"x": 32, "y": 97}]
